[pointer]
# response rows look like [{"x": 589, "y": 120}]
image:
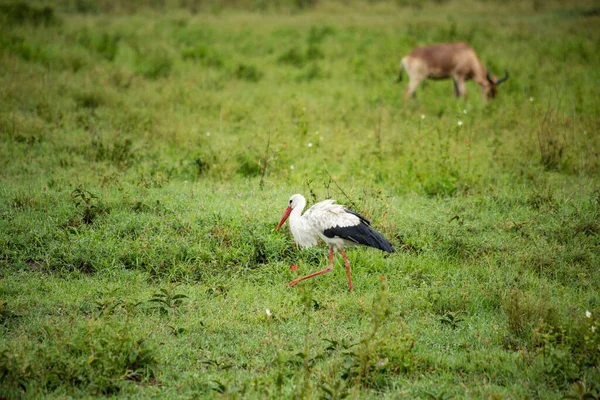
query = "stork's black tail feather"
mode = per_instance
[
  {"x": 361, "y": 234},
  {"x": 378, "y": 241}
]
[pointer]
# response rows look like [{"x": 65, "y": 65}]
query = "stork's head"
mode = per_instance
[{"x": 295, "y": 201}]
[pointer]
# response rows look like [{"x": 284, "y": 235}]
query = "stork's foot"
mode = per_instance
[{"x": 294, "y": 282}]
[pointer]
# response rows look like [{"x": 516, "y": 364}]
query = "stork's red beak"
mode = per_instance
[{"x": 286, "y": 214}]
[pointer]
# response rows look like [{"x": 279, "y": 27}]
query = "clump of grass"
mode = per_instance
[
  {"x": 248, "y": 164},
  {"x": 6, "y": 314},
  {"x": 527, "y": 315},
  {"x": 99, "y": 356},
  {"x": 385, "y": 350},
  {"x": 90, "y": 99},
  {"x": 105, "y": 44},
  {"x": 154, "y": 63},
  {"x": 20, "y": 13},
  {"x": 298, "y": 57},
  {"x": 311, "y": 73},
  {"x": 551, "y": 141},
  {"x": 443, "y": 185},
  {"x": 247, "y": 72},
  {"x": 563, "y": 351},
  {"x": 24, "y": 49},
  {"x": 542, "y": 197},
  {"x": 120, "y": 151},
  {"x": 203, "y": 162},
  {"x": 203, "y": 54},
  {"x": 449, "y": 305},
  {"x": 23, "y": 201},
  {"x": 292, "y": 56},
  {"x": 90, "y": 7}
]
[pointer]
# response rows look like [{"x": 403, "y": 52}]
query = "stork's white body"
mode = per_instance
[{"x": 308, "y": 228}]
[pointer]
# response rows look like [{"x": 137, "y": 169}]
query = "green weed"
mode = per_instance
[
  {"x": 87, "y": 205},
  {"x": 166, "y": 300}
]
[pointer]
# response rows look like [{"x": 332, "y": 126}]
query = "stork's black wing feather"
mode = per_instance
[{"x": 363, "y": 219}]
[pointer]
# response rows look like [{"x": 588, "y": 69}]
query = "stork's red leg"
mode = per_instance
[
  {"x": 324, "y": 271},
  {"x": 347, "y": 263}
]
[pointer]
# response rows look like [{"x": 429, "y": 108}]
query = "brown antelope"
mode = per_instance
[{"x": 448, "y": 60}]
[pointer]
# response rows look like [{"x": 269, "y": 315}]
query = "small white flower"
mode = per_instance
[
  {"x": 593, "y": 328},
  {"x": 459, "y": 123},
  {"x": 268, "y": 312},
  {"x": 207, "y": 133},
  {"x": 531, "y": 99},
  {"x": 291, "y": 167},
  {"x": 465, "y": 111},
  {"x": 422, "y": 116},
  {"x": 588, "y": 314},
  {"x": 310, "y": 145}
]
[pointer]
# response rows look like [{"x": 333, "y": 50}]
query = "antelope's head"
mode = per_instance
[{"x": 491, "y": 90}]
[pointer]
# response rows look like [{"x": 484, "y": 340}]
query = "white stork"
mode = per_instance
[{"x": 335, "y": 225}]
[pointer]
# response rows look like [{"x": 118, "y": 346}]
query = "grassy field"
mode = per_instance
[{"x": 148, "y": 150}]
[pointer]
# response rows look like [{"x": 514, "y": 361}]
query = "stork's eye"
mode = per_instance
[{"x": 290, "y": 201}]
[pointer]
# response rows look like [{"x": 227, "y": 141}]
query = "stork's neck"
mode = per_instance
[
  {"x": 296, "y": 214},
  {"x": 301, "y": 227}
]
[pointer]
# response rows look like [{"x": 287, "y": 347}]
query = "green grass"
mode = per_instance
[{"x": 147, "y": 152}]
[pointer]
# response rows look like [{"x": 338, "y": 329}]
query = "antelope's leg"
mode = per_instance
[
  {"x": 459, "y": 88},
  {"x": 411, "y": 88}
]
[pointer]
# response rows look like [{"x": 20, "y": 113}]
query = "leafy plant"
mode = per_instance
[
  {"x": 579, "y": 391},
  {"x": 87, "y": 204},
  {"x": 452, "y": 319},
  {"x": 167, "y": 301}
]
